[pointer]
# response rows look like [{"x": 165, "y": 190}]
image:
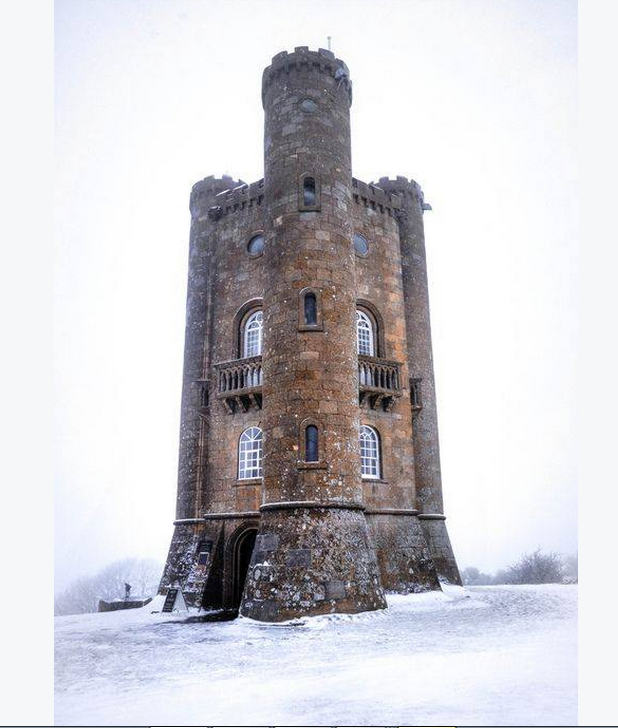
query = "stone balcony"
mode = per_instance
[
  {"x": 239, "y": 384},
  {"x": 379, "y": 382}
]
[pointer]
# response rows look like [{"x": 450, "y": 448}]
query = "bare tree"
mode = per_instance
[
  {"x": 83, "y": 594},
  {"x": 570, "y": 575},
  {"x": 80, "y": 596},
  {"x": 536, "y": 568},
  {"x": 142, "y": 574},
  {"x": 501, "y": 577},
  {"x": 471, "y": 576}
]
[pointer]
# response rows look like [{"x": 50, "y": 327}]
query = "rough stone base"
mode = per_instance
[
  {"x": 183, "y": 567},
  {"x": 403, "y": 556},
  {"x": 434, "y": 528},
  {"x": 310, "y": 561},
  {"x": 180, "y": 557}
]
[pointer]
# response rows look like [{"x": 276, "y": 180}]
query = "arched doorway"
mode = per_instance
[{"x": 243, "y": 549}]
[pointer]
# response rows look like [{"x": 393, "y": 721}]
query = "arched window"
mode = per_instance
[
  {"x": 310, "y": 197},
  {"x": 370, "y": 452},
  {"x": 308, "y": 193},
  {"x": 310, "y": 309},
  {"x": 252, "y": 339},
  {"x": 311, "y": 444},
  {"x": 250, "y": 454},
  {"x": 365, "y": 335}
]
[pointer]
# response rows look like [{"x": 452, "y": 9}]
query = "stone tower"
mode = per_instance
[{"x": 309, "y": 473}]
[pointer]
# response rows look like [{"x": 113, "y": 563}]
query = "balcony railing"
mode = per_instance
[
  {"x": 240, "y": 384},
  {"x": 378, "y": 382}
]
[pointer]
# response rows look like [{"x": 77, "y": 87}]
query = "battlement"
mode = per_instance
[
  {"x": 320, "y": 61},
  {"x": 370, "y": 195},
  {"x": 235, "y": 198},
  {"x": 204, "y": 191},
  {"x": 401, "y": 186}
]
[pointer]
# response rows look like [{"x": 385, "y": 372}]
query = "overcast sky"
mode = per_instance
[{"x": 474, "y": 99}]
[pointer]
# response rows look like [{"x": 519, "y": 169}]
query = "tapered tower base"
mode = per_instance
[
  {"x": 436, "y": 535},
  {"x": 311, "y": 560},
  {"x": 181, "y": 562},
  {"x": 403, "y": 556}
]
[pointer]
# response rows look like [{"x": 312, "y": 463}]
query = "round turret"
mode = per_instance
[
  {"x": 308, "y": 184},
  {"x": 320, "y": 61},
  {"x": 312, "y": 495},
  {"x": 204, "y": 192},
  {"x": 408, "y": 191},
  {"x": 306, "y": 97}
]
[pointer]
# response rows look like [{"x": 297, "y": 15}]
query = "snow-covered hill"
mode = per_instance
[{"x": 481, "y": 656}]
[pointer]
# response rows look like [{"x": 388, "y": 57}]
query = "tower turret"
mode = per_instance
[
  {"x": 420, "y": 360},
  {"x": 313, "y": 553},
  {"x": 194, "y": 428}
]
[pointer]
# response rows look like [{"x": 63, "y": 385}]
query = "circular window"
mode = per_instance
[
  {"x": 361, "y": 246},
  {"x": 308, "y": 105},
  {"x": 255, "y": 246}
]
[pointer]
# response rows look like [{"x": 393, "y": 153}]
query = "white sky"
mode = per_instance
[{"x": 474, "y": 99}]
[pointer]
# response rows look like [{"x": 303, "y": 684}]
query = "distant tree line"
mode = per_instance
[
  {"x": 536, "y": 567},
  {"x": 83, "y": 594}
]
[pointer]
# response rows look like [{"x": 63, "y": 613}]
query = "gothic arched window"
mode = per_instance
[
  {"x": 250, "y": 454},
  {"x": 370, "y": 452},
  {"x": 252, "y": 335},
  {"x": 365, "y": 334}
]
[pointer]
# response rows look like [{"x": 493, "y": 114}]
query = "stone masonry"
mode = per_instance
[{"x": 304, "y": 525}]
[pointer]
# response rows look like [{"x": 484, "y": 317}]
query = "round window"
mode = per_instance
[
  {"x": 308, "y": 105},
  {"x": 255, "y": 246},
  {"x": 361, "y": 246}
]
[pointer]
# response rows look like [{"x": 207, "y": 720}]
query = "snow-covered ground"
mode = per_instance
[{"x": 483, "y": 656}]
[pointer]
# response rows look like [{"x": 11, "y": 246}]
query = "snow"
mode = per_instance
[{"x": 479, "y": 656}]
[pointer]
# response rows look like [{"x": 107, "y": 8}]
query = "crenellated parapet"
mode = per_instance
[
  {"x": 320, "y": 61},
  {"x": 204, "y": 192},
  {"x": 409, "y": 191},
  {"x": 378, "y": 199},
  {"x": 217, "y": 197},
  {"x": 237, "y": 198}
]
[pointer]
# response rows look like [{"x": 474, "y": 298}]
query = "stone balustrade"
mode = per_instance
[
  {"x": 240, "y": 384},
  {"x": 378, "y": 382}
]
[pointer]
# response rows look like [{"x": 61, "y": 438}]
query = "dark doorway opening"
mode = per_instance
[{"x": 243, "y": 549}]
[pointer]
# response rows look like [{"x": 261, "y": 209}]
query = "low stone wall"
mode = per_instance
[{"x": 122, "y": 604}]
